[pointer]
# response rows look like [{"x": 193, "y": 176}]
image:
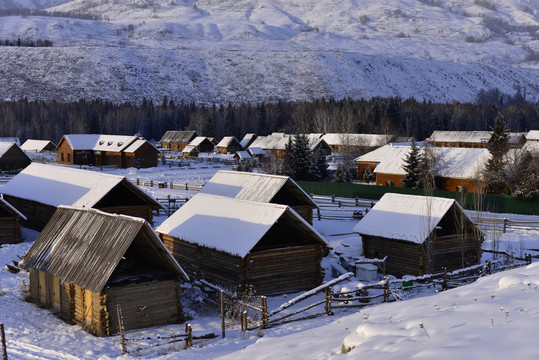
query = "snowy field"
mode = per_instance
[{"x": 496, "y": 317}]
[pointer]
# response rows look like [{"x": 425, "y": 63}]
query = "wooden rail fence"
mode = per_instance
[{"x": 167, "y": 184}]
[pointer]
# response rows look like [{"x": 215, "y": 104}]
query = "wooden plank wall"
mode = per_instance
[
  {"x": 285, "y": 270},
  {"x": 145, "y": 304},
  {"x": 306, "y": 212},
  {"x": 403, "y": 258},
  {"x": 37, "y": 214},
  {"x": 10, "y": 230},
  {"x": 143, "y": 211}
]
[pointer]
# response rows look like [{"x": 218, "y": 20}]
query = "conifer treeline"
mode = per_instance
[{"x": 50, "y": 120}]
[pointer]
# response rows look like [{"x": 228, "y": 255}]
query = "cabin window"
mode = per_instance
[
  {"x": 120, "y": 143},
  {"x": 101, "y": 142},
  {"x": 62, "y": 156},
  {"x": 68, "y": 157},
  {"x": 110, "y": 143}
]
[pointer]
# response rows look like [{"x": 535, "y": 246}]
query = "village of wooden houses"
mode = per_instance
[{"x": 116, "y": 234}]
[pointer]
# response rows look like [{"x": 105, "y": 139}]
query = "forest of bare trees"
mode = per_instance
[{"x": 50, "y": 120}]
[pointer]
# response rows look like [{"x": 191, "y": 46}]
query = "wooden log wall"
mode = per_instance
[
  {"x": 37, "y": 214},
  {"x": 144, "y": 304},
  {"x": 10, "y": 230},
  {"x": 305, "y": 211},
  {"x": 284, "y": 270},
  {"x": 403, "y": 258}
]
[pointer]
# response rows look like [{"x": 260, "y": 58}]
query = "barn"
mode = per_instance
[
  {"x": 175, "y": 140},
  {"x": 10, "y": 223},
  {"x": 86, "y": 261},
  {"x": 266, "y": 246},
  {"x": 37, "y": 146},
  {"x": 39, "y": 189},
  {"x": 274, "y": 189},
  {"x": 229, "y": 145},
  {"x": 419, "y": 234},
  {"x": 12, "y": 157}
]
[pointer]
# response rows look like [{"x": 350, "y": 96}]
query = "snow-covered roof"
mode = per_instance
[
  {"x": 243, "y": 154},
  {"x": 236, "y": 225},
  {"x": 98, "y": 142},
  {"x": 178, "y": 137},
  {"x": 404, "y": 217},
  {"x": 476, "y": 137},
  {"x": 457, "y": 163},
  {"x": 279, "y": 141},
  {"x": 58, "y": 185},
  {"x": 136, "y": 145},
  {"x": 10, "y": 208},
  {"x": 246, "y": 140},
  {"x": 35, "y": 145},
  {"x": 5, "y": 146},
  {"x": 253, "y": 186},
  {"x": 198, "y": 140},
  {"x": 533, "y": 135},
  {"x": 190, "y": 148},
  {"x": 255, "y": 150},
  {"x": 369, "y": 140},
  {"x": 227, "y": 141}
]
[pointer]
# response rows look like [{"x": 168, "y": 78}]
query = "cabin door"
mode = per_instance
[
  {"x": 56, "y": 293},
  {"x": 42, "y": 287}
]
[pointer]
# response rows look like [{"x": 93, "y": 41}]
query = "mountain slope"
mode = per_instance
[{"x": 254, "y": 50}]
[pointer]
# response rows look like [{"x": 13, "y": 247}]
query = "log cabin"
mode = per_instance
[
  {"x": 190, "y": 151},
  {"x": 86, "y": 261},
  {"x": 247, "y": 140},
  {"x": 229, "y": 145},
  {"x": 202, "y": 144},
  {"x": 106, "y": 150},
  {"x": 176, "y": 140},
  {"x": 12, "y": 157},
  {"x": 240, "y": 244},
  {"x": 277, "y": 143},
  {"x": 39, "y": 189},
  {"x": 10, "y": 223},
  {"x": 273, "y": 189},
  {"x": 471, "y": 139},
  {"x": 419, "y": 234},
  {"x": 355, "y": 143}
]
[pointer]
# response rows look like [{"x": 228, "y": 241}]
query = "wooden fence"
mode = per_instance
[
  {"x": 166, "y": 184},
  {"x": 503, "y": 224}
]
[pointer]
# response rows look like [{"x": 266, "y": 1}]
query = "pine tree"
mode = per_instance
[
  {"x": 498, "y": 146},
  {"x": 412, "y": 179}
]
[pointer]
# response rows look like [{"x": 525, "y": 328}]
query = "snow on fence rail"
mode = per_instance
[
  {"x": 167, "y": 184},
  {"x": 503, "y": 224}
]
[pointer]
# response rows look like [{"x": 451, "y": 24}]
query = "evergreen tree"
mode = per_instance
[
  {"x": 528, "y": 180},
  {"x": 343, "y": 174},
  {"x": 412, "y": 179},
  {"x": 498, "y": 146},
  {"x": 300, "y": 161}
]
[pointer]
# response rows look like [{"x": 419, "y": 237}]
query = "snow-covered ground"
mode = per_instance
[
  {"x": 252, "y": 50},
  {"x": 495, "y": 317}
]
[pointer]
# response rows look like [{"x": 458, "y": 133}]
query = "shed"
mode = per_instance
[
  {"x": 37, "y": 146},
  {"x": 12, "y": 157},
  {"x": 140, "y": 154},
  {"x": 10, "y": 223},
  {"x": 176, "y": 140},
  {"x": 229, "y": 144},
  {"x": 274, "y": 189},
  {"x": 419, "y": 234},
  {"x": 39, "y": 189},
  {"x": 266, "y": 246},
  {"x": 86, "y": 261},
  {"x": 277, "y": 143},
  {"x": 355, "y": 143},
  {"x": 190, "y": 150},
  {"x": 203, "y": 144}
]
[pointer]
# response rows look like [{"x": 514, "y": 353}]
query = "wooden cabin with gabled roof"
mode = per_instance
[
  {"x": 175, "y": 140},
  {"x": 37, "y": 146},
  {"x": 202, "y": 144},
  {"x": 86, "y": 261},
  {"x": 12, "y": 157},
  {"x": 10, "y": 223},
  {"x": 229, "y": 145},
  {"x": 273, "y": 189},
  {"x": 419, "y": 234},
  {"x": 39, "y": 189},
  {"x": 239, "y": 244}
]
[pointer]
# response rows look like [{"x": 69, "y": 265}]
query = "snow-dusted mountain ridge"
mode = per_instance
[{"x": 257, "y": 50}]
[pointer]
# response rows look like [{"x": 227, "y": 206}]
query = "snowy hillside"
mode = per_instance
[{"x": 229, "y": 50}]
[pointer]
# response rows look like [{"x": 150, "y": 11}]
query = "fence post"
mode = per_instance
[
  {"x": 265, "y": 312},
  {"x": 489, "y": 269},
  {"x": 386, "y": 289},
  {"x": 332, "y": 198},
  {"x": 186, "y": 187},
  {"x": 327, "y": 307},
  {"x": 444, "y": 283},
  {"x": 3, "y": 336},
  {"x": 504, "y": 224},
  {"x": 528, "y": 258},
  {"x": 244, "y": 320},
  {"x": 222, "y": 315},
  {"x": 357, "y": 201},
  {"x": 121, "y": 325},
  {"x": 318, "y": 213},
  {"x": 171, "y": 185},
  {"x": 189, "y": 338},
  {"x": 151, "y": 183},
  {"x": 138, "y": 182}
]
